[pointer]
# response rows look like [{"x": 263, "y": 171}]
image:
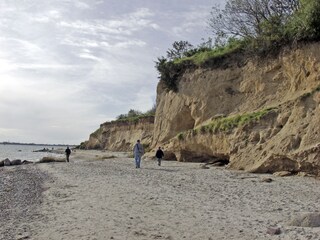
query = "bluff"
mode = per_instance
[
  {"x": 260, "y": 114},
  {"x": 121, "y": 135}
]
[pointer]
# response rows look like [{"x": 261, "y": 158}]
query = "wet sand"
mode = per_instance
[{"x": 94, "y": 197}]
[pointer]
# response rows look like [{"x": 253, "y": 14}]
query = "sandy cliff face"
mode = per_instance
[
  {"x": 121, "y": 136},
  {"x": 287, "y": 137},
  {"x": 262, "y": 115}
]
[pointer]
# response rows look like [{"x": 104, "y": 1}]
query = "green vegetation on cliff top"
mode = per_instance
[
  {"x": 135, "y": 115},
  {"x": 201, "y": 57},
  {"x": 224, "y": 124},
  {"x": 134, "y": 119}
]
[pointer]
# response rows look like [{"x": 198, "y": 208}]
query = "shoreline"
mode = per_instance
[{"x": 93, "y": 197}]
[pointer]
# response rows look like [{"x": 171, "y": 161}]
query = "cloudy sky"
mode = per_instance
[{"x": 66, "y": 66}]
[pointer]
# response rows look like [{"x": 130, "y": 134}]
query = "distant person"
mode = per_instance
[
  {"x": 159, "y": 155},
  {"x": 68, "y": 152},
  {"x": 138, "y": 152}
]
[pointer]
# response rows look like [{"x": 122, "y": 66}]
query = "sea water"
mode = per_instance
[{"x": 27, "y": 152}]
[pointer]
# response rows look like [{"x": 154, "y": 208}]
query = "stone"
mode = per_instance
[
  {"x": 282, "y": 174},
  {"x": 6, "y": 162},
  {"x": 274, "y": 231},
  {"x": 16, "y": 162},
  {"x": 306, "y": 220},
  {"x": 26, "y": 162},
  {"x": 305, "y": 174},
  {"x": 268, "y": 180},
  {"x": 204, "y": 166},
  {"x": 277, "y": 163}
]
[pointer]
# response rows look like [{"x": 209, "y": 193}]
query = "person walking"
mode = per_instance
[
  {"x": 138, "y": 152},
  {"x": 68, "y": 152},
  {"x": 159, "y": 155}
]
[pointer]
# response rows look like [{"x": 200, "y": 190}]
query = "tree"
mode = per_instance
[
  {"x": 247, "y": 18},
  {"x": 305, "y": 24},
  {"x": 179, "y": 49}
]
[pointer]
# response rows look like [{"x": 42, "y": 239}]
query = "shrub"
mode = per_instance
[
  {"x": 180, "y": 136},
  {"x": 305, "y": 23},
  {"x": 169, "y": 73}
]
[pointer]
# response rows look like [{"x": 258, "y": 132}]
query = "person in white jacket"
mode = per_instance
[{"x": 138, "y": 152}]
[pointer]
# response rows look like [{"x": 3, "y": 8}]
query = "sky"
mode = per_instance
[{"x": 66, "y": 66}]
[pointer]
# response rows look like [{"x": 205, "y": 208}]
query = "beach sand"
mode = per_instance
[{"x": 91, "y": 198}]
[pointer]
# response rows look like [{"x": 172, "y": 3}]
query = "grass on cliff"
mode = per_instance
[
  {"x": 134, "y": 119},
  {"x": 228, "y": 123},
  {"x": 224, "y": 124},
  {"x": 217, "y": 52}
]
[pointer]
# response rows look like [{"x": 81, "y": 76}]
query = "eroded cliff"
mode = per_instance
[
  {"x": 121, "y": 135},
  {"x": 192, "y": 123}
]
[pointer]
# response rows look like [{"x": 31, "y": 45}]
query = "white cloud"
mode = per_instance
[
  {"x": 90, "y": 56},
  {"x": 69, "y": 65},
  {"x": 123, "y": 25}
]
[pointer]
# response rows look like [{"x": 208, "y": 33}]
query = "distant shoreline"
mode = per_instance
[{"x": 36, "y": 144}]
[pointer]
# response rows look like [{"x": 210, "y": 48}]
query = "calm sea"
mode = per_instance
[{"x": 26, "y": 152}]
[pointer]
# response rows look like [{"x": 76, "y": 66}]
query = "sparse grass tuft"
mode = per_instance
[
  {"x": 229, "y": 123},
  {"x": 180, "y": 136},
  {"x": 201, "y": 57}
]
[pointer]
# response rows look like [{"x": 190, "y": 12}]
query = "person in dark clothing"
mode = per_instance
[
  {"x": 159, "y": 155},
  {"x": 68, "y": 152}
]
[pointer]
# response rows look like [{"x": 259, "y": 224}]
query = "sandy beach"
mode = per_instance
[{"x": 94, "y": 197}]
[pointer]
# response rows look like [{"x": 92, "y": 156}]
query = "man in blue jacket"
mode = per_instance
[{"x": 138, "y": 152}]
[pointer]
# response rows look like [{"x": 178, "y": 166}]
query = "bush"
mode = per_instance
[
  {"x": 170, "y": 72},
  {"x": 305, "y": 23}
]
